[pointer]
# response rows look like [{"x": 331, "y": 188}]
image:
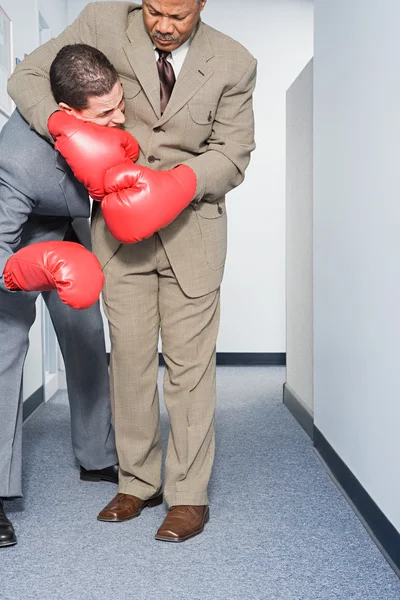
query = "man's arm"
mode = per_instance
[
  {"x": 15, "y": 208},
  {"x": 29, "y": 85},
  {"x": 65, "y": 266},
  {"x": 135, "y": 206},
  {"x": 221, "y": 168}
]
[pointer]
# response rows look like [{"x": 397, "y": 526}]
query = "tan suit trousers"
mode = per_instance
[{"x": 142, "y": 298}]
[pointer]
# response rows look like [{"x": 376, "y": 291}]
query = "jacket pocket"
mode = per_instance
[
  {"x": 131, "y": 87},
  {"x": 202, "y": 113},
  {"x": 199, "y": 126},
  {"x": 132, "y": 91}
]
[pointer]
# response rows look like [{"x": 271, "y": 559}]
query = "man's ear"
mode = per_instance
[
  {"x": 66, "y": 107},
  {"x": 71, "y": 111}
]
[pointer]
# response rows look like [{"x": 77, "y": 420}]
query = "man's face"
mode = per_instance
[
  {"x": 170, "y": 23},
  {"x": 107, "y": 110}
]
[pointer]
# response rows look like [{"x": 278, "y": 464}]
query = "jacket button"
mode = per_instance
[
  {"x": 151, "y": 159},
  {"x": 220, "y": 210}
]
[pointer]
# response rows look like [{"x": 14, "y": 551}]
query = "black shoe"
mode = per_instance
[
  {"x": 108, "y": 474},
  {"x": 7, "y": 533}
]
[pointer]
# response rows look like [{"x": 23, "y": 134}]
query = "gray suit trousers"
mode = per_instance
[{"x": 81, "y": 338}]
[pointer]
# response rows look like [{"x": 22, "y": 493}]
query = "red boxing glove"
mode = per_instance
[
  {"x": 66, "y": 266},
  {"x": 141, "y": 201},
  {"x": 91, "y": 149}
]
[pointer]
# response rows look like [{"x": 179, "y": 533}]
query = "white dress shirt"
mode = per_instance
[{"x": 177, "y": 57}]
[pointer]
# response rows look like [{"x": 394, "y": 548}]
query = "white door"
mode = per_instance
[
  {"x": 49, "y": 339},
  {"x": 50, "y": 355}
]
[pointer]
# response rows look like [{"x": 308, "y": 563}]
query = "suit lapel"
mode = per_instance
[
  {"x": 75, "y": 195},
  {"x": 140, "y": 54},
  {"x": 62, "y": 167},
  {"x": 194, "y": 74}
]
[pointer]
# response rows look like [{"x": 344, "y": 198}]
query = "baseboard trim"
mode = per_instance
[
  {"x": 243, "y": 359},
  {"x": 33, "y": 402},
  {"x": 251, "y": 359},
  {"x": 384, "y": 534},
  {"x": 299, "y": 410}
]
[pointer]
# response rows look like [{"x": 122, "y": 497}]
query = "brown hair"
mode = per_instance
[{"x": 78, "y": 72}]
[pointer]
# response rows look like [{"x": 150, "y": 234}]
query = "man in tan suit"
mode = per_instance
[{"x": 170, "y": 282}]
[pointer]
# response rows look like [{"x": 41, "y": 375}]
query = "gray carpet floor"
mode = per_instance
[{"x": 279, "y": 527}]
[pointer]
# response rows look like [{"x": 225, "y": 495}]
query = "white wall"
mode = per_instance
[
  {"x": 24, "y": 15},
  {"x": 25, "y": 22},
  {"x": 25, "y": 25},
  {"x": 55, "y": 13},
  {"x": 279, "y": 33},
  {"x": 357, "y": 241},
  {"x": 299, "y": 242}
]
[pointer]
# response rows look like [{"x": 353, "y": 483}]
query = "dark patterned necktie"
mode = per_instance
[{"x": 167, "y": 78}]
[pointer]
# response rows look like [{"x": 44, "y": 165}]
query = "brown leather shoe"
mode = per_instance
[
  {"x": 182, "y": 523},
  {"x": 125, "y": 506}
]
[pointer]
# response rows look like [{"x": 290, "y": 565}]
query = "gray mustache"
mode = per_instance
[{"x": 164, "y": 37}]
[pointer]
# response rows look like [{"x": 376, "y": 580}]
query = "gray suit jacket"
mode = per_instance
[{"x": 39, "y": 195}]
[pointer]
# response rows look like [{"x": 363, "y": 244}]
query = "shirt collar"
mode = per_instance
[{"x": 180, "y": 50}]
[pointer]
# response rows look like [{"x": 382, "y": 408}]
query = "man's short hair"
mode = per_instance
[{"x": 78, "y": 72}]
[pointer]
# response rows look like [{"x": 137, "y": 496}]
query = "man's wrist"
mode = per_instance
[{"x": 201, "y": 181}]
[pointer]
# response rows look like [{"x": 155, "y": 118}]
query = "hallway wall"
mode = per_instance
[
  {"x": 299, "y": 239},
  {"x": 357, "y": 242}
]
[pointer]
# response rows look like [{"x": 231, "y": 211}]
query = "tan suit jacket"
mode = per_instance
[{"x": 208, "y": 125}]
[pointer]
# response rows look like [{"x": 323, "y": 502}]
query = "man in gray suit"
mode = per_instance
[{"x": 41, "y": 200}]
